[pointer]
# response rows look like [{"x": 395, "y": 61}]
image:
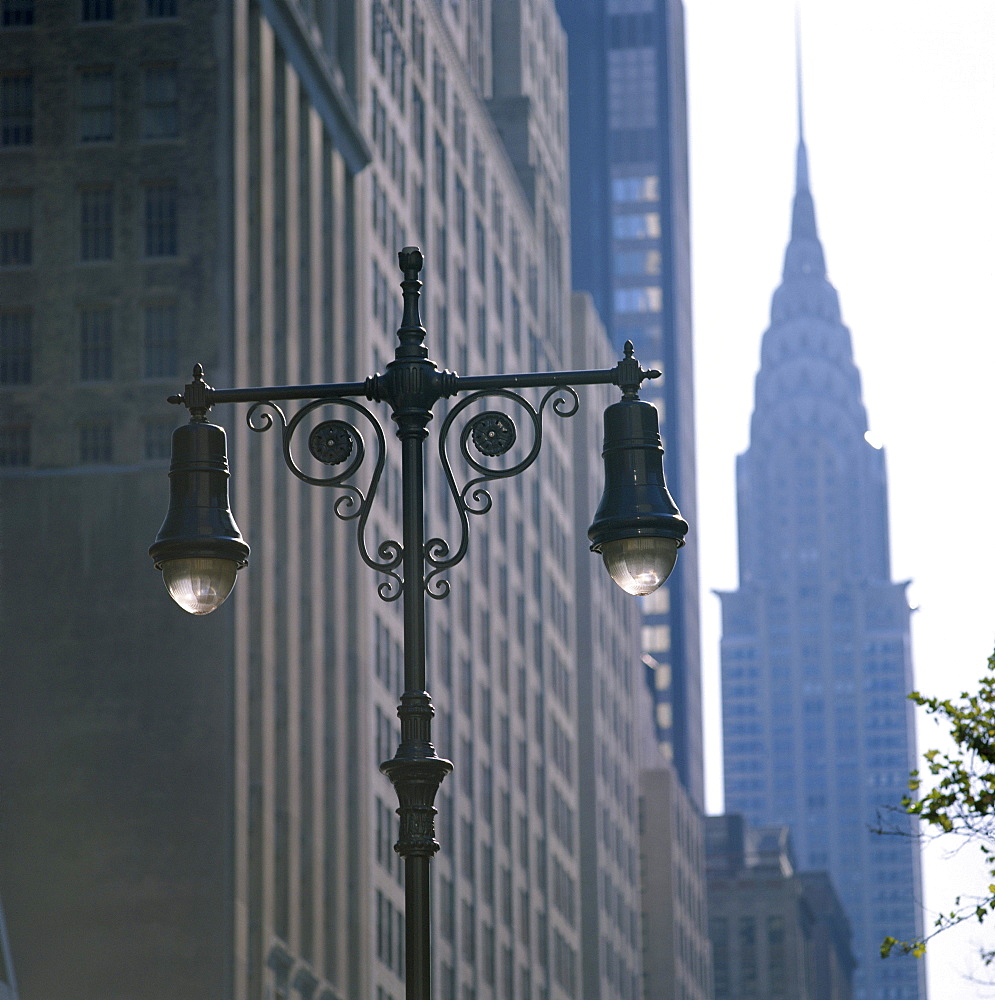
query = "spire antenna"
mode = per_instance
[
  {"x": 801, "y": 177},
  {"x": 798, "y": 74}
]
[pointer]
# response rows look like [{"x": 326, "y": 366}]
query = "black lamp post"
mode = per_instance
[{"x": 637, "y": 528}]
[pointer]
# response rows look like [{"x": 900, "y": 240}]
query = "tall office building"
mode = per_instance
[
  {"x": 176, "y": 187},
  {"x": 613, "y": 709},
  {"x": 229, "y": 183},
  {"x": 631, "y": 251},
  {"x": 815, "y": 647}
]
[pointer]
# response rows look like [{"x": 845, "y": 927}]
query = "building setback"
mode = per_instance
[
  {"x": 192, "y": 806},
  {"x": 818, "y": 733}
]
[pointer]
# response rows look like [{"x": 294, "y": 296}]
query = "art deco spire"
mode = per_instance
[
  {"x": 808, "y": 406},
  {"x": 804, "y": 288}
]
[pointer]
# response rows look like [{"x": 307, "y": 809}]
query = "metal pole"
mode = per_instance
[{"x": 416, "y": 770}]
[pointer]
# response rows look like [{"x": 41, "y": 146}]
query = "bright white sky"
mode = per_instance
[{"x": 900, "y": 127}]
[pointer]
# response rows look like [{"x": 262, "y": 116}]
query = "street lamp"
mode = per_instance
[{"x": 199, "y": 549}]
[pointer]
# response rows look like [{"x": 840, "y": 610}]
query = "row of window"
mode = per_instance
[
  {"x": 96, "y": 343},
  {"x": 21, "y": 13},
  {"x": 97, "y": 88},
  {"x": 160, "y": 108},
  {"x": 488, "y": 967},
  {"x": 95, "y": 442},
  {"x": 96, "y": 223}
]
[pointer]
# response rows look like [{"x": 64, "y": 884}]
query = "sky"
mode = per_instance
[{"x": 899, "y": 112}]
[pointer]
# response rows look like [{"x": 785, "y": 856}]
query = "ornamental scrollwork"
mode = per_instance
[
  {"x": 335, "y": 443},
  {"x": 492, "y": 433}
]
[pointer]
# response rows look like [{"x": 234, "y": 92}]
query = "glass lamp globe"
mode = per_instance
[
  {"x": 640, "y": 565},
  {"x": 199, "y": 585}
]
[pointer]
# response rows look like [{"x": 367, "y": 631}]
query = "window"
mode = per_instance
[
  {"x": 418, "y": 122},
  {"x": 160, "y": 102},
  {"x": 469, "y": 935},
  {"x": 638, "y": 300},
  {"x": 17, "y": 13},
  {"x": 460, "y": 195},
  {"x": 440, "y": 253},
  {"x": 439, "y": 86},
  {"x": 633, "y": 227},
  {"x": 96, "y": 442},
  {"x": 161, "y": 220},
  {"x": 459, "y": 130},
  {"x": 747, "y": 957},
  {"x": 158, "y": 441},
  {"x": 637, "y": 263},
  {"x": 498, "y": 288},
  {"x": 632, "y": 88},
  {"x": 646, "y": 188},
  {"x": 160, "y": 8},
  {"x": 480, "y": 245},
  {"x": 418, "y": 39},
  {"x": 16, "y": 109},
  {"x": 440, "y": 168},
  {"x": 15, "y": 445},
  {"x": 96, "y": 223},
  {"x": 497, "y": 214},
  {"x": 656, "y": 638},
  {"x": 15, "y": 228},
  {"x": 96, "y": 104},
  {"x": 161, "y": 351},
  {"x": 479, "y": 172},
  {"x": 97, "y": 10},
  {"x": 15, "y": 347},
  {"x": 95, "y": 344}
]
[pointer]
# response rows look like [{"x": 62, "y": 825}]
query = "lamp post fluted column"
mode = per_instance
[
  {"x": 199, "y": 549},
  {"x": 415, "y": 771}
]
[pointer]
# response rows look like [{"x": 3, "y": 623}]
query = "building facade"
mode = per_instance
[
  {"x": 677, "y": 956},
  {"x": 776, "y": 933},
  {"x": 818, "y": 733},
  {"x": 613, "y": 709},
  {"x": 177, "y": 186},
  {"x": 229, "y": 184},
  {"x": 631, "y": 251}
]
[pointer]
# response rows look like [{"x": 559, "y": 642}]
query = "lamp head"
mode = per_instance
[
  {"x": 199, "y": 548},
  {"x": 637, "y": 528}
]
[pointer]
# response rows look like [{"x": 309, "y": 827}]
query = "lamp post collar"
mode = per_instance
[
  {"x": 630, "y": 374},
  {"x": 196, "y": 396}
]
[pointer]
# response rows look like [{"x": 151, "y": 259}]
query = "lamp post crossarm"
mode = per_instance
[{"x": 462, "y": 383}]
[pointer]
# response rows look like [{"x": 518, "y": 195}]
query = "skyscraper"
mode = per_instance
[
  {"x": 815, "y": 649},
  {"x": 193, "y": 806},
  {"x": 631, "y": 251}
]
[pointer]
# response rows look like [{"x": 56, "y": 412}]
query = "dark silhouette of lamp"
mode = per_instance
[
  {"x": 637, "y": 528},
  {"x": 199, "y": 547}
]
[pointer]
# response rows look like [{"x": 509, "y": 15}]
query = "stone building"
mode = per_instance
[
  {"x": 776, "y": 933},
  {"x": 193, "y": 805}
]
